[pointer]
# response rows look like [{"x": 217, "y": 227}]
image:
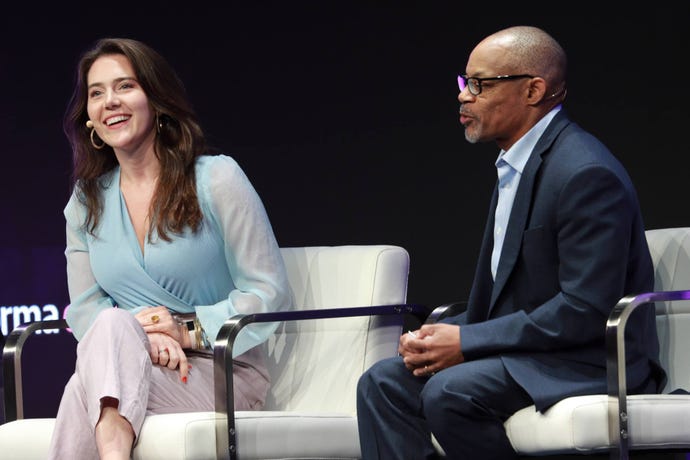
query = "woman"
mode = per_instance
[{"x": 156, "y": 228}]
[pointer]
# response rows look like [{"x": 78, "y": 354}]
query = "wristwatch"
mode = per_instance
[{"x": 197, "y": 334}]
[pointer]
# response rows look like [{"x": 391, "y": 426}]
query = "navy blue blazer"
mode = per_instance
[{"x": 574, "y": 245}]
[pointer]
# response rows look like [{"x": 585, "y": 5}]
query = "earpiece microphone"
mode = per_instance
[{"x": 562, "y": 92}]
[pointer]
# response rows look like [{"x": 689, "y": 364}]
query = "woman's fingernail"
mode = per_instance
[{"x": 184, "y": 379}]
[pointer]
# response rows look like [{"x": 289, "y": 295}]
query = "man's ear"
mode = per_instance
[{"x": 537, "y": 91}]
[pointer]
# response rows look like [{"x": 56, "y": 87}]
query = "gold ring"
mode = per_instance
[{"x": 155, "y": 319}]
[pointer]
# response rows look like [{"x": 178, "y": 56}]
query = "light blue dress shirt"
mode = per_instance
[
  {"x": 509, "y": 166},
  {"x": 231, "y": 265}
]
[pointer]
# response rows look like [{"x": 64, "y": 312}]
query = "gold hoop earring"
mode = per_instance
[{"x": 96, "y": 146}]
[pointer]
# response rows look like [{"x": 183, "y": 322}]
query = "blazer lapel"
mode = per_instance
[
  {"x": 516, "y": 225},
  {"x": 522, "y": 204}
]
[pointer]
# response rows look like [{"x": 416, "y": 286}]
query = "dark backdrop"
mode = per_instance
[{"x": 343, "y": 115}]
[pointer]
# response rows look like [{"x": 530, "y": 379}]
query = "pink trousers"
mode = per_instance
[{"x": 113, "y": 361}]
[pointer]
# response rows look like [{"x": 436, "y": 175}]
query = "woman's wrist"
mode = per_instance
[
  {"x": 192, "y": 335},
  {"x": 186, "y": 336}
]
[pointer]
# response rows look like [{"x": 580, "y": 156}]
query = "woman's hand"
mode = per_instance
[
  {"x": 167, "y": 352},
  {"x": 159, "y": 319},
  {"x": 167, "y": 339}
]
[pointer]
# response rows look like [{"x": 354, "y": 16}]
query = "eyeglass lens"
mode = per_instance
[
  {"x": 461, "y": 82},
  {"x": 473, "y": 83}
]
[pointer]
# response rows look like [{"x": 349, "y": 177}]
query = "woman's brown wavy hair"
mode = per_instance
[{"x": 179, "y": 140}]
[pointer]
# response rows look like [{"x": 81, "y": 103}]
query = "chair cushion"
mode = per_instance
[
  {"x": 580, "y": 424},
  {"x": 26, "y": 439},
  {"x": 191, "y": 436},
  {"x": 295, "y": 435}
]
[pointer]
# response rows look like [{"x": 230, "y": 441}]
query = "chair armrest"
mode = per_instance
[
  {"x": 445, "y": 310},
  {"x": 12, "y": 364},
  {"x": 226, "y": 442},
  {"x": 615, "y": 363}
]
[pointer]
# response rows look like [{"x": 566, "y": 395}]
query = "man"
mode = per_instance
[{"x": 564, "y": 242}]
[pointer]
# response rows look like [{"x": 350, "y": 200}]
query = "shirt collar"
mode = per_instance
[{"x": 518, "y": 154}]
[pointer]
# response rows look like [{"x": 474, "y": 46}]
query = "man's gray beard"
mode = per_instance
[{"x": 472, "y": 139}]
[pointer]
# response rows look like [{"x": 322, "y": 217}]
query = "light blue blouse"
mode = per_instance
[{"x": 231, "y": 265}]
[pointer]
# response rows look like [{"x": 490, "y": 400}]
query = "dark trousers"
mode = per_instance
[{"x": 464, "y": 407}]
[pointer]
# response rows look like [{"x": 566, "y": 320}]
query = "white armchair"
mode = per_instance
[
  {"x": 615, "y": 425},
  {"x": 350, "y": 307}
]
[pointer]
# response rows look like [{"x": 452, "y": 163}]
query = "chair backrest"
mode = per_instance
[
  {"x": 315, "y": 364},
  {"x": 670, "y": 249}
]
